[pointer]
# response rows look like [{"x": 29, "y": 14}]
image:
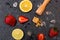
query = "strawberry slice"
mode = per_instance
[
  {"x": 53, "y": 32},
  {"x": 10, "y": 20},
  {"x": 41, "y": 36},
  {"x": 23, "y": 19}
]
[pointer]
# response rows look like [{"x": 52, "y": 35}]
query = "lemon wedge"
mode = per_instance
[
  {"x": 25, "y": 6},
  {"x": 17, "y": 34}
]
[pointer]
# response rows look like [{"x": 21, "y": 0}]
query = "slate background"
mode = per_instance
[{"x": 5, "y": 30}]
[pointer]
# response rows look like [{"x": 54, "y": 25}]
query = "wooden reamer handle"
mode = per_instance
[{"x": 42, "y": 7}]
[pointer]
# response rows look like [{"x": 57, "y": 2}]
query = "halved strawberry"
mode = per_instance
[
  {"x": 23, "y": 19},
  {"x": 53, "y": 32},
  {"x": 10, "y": 20},
  {"x": 41, "y": 36}
]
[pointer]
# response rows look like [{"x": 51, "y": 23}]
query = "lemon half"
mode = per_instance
[
  {"x": 17, "y": 34},
  {"x": 25, "y": 6}
]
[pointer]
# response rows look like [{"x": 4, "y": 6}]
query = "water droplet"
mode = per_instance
[
  {"x": 48, "y": 12},
  {"x": 38, "y": 5},
  {"x": 43, "y": 23},
  {"x": 29, "y": 33},
  {"x": 15, "y": 4},
  {"x": 53, "y": 21}
]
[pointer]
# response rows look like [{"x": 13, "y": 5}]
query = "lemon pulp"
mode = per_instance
[
  {"x": 25, "y": 6},
  {"x": 17, "y": 34}
]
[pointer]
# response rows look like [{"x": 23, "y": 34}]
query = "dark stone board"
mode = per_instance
[{"x": 5, "y": 30}]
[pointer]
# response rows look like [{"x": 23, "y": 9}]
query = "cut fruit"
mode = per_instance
[
  {"x": 53, "y": 32},
  {"x": 25, "y": 0},
  {"x": 23, "y": 19},
  {"x": 17, "y": 34},
  {"x": 10, "y": 20},
  {"x": 41, "y": 36},
  {"x": 37, "y": 21},
  {"x": 25, "y": 6}
]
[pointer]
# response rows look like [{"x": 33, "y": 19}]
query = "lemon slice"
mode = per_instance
[
  {"x": 25, "y": 6},
  {"x": 25, "y": 0},
  {"x": 17, "y": 34}
]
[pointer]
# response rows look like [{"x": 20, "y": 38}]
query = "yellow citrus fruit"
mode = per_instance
[
  {"x": 25, "y": 6},
  {"x": 17, "y": 34}
]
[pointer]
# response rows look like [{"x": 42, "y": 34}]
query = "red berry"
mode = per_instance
[
  {"x": 53, "y": 32},
  {"x": 23, "y": 19},
  {"x": 10, "y": 20},
  {"x": 41, "y": 37}
]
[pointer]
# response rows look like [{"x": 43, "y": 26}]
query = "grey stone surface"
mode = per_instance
[{"x": 5, "y": 30}]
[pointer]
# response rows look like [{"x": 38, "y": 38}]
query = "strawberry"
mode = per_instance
[
  {"x": 53, "y": 32},
  {"x": 41, "y": 37},
  {"x": 10, "y": 20},
  {"x": 23, "y": 19}
]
